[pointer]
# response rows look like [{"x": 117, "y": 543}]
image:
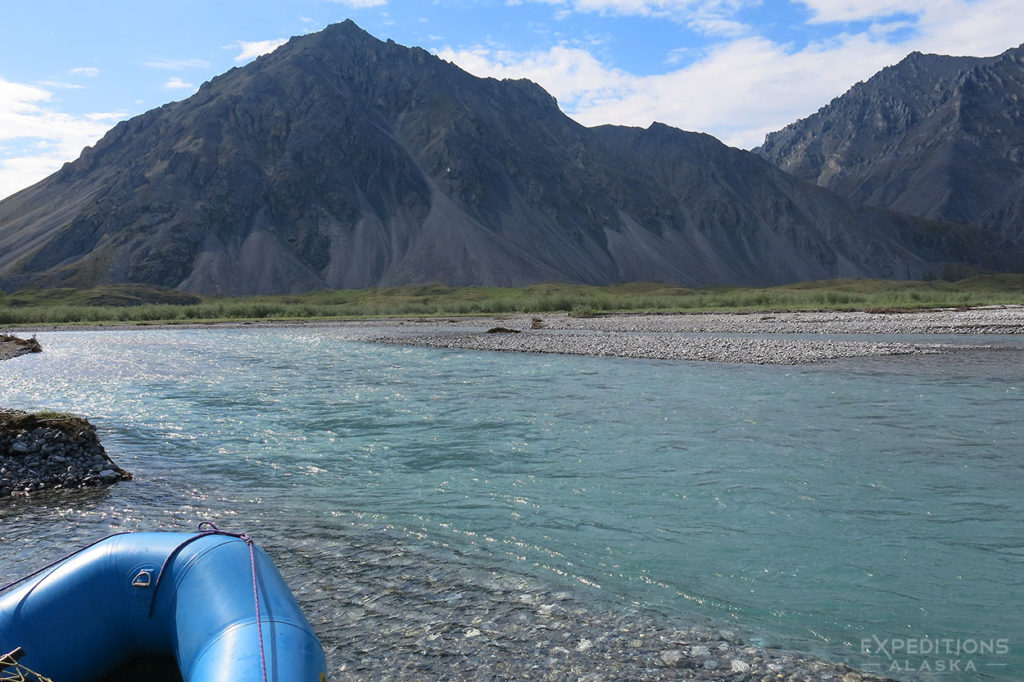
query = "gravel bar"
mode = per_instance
[{"x": 768, "y": 338}]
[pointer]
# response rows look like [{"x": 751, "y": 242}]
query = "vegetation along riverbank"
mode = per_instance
[{"x": 135, "y": 304}]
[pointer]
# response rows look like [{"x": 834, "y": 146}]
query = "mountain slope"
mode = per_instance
[
  {"x": 934, "y": 136},
  {"x": 340, "y": 161}
]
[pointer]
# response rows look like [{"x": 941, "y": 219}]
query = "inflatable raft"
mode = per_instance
[{"x": 213, "y": 601}]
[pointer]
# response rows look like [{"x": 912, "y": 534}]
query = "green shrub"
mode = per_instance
[{"x": 68, "y": 306}]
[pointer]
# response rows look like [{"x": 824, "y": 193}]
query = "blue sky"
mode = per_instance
[{"x": 736, "y": 69}]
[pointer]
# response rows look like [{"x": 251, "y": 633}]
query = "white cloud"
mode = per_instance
[
  {"x": 717, "y": 24},
  {"x": 745, "y": 86},
  {"x": 107, "y": 116},
  {"x": 980, "y": 28},
  {"x": 641, "y": 7},
  {"x": 717, "y": 18},
  {"x": 825, "y": 11},
  {"x": 682, "y": 10},
  {"x": 570, "y": 74},
  {"x": 61, "y": 85},
  {"x": 176, "y": 83},
  {"x": 963, "y": 27},
  {"x": 178, "y": 64},
  {"x": 251, "y": 50},
  {"x": 38, "y": 137},
  {"x": 87, "y": 71},
  {"x": 20, "y": 172},
  {"x": 738, "y": 92},
  {"x": 360, "y": 4}
]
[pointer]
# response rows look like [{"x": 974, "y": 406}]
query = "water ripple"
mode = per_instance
[{"x": 816, "y": 506}]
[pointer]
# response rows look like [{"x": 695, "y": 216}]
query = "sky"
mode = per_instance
[{"x": 736, "y": 69}]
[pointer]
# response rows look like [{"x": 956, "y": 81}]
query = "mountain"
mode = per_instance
[
  {"x": 933, "y": 136},
  {"x": 340, "y": 161}
]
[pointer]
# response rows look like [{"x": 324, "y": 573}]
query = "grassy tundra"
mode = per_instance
[{"x": 137, "y": 304}]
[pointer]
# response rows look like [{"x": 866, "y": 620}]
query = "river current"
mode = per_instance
[{"x": 866, "y": 510}]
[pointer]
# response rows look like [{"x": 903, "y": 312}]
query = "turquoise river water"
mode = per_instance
[{"x": 868, "y": 511}]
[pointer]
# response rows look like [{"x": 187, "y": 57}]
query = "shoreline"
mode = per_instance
[
  {"x": 765, "y": 338},
  {"x": 757, "y": 338}
]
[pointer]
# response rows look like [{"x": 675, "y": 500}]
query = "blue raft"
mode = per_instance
[{"x": 213, "y": 601}]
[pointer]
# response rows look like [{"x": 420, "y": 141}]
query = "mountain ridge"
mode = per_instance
[
  {"x": 933, "y": 136},
  {"x": 341, "y": 161}
]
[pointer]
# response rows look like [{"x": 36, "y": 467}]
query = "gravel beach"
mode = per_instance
[{"x": 761, "y": 338}]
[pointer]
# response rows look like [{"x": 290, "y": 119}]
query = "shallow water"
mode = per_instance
[{"x": 850, "y": 510}]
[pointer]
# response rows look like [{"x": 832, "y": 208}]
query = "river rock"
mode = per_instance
[
  {"x": 739, "y": 666},
  {"x": 46, "y": 451},
  {"x": 672, "y": 657}
]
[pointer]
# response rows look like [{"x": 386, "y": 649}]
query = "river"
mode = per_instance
[{"x": 865, "y": 510}]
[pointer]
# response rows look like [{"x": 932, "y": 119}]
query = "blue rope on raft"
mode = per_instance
[
  {"x": 209, "y": 528},
  {"x": 205, "y": 529}
]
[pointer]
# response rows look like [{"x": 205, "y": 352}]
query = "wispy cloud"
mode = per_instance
[
  {"x": 712, "y": 18},
  {"x": 251, "y": 50},
  {"x": 87, "y": 71},
  {"x": 178, "y": 64},
  {"x": 176, "y": 83},
  {"x": 742, "y": 85},
  {"x": 825, "y": 11},
  {"x": 360, "y": 4},
  {"x": 38, "y": 138},
  {"x": 627, "y": 7},
  {"x": 970, "y": 27},
  {"x": 61, "y": 85},
  {"x": 682, "y": 10},
  {"x": 107, "y": 117}
]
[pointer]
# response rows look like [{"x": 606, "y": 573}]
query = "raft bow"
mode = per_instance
[{"x": 212, "y": 600}]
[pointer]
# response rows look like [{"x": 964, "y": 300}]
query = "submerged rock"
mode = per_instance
[{"x": 49, "y": 450}]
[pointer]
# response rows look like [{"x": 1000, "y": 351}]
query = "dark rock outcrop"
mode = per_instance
[
  {"x": 340, "y": 161},
  {"x": 42, "y": 452},
  {"x": 934, "y": 136}
]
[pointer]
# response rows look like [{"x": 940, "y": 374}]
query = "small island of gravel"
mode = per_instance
[
  {"x": 51, "y": 450},
  {"x": 779, "y": 338}
]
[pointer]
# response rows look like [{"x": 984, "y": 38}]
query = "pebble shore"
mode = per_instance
[
  {"x": 399, "y": 615},
  {"x": 770, "y": 338}
]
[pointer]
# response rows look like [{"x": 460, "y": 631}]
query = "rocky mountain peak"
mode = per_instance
[
  {"x": 935, "y": 136},
  {"x": 343, "y": 161}
]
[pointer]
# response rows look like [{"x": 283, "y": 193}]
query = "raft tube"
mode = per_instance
[{"x": 181, "y": 595}]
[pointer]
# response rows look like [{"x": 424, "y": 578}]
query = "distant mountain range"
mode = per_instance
[
  {"x": 340, "y": 161},
  {"x": 933, "y": 136}
]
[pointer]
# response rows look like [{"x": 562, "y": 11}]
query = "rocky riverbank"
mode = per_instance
[
  {"x": 48, "y": 451},
  {"x": 769, "y": 338}
]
